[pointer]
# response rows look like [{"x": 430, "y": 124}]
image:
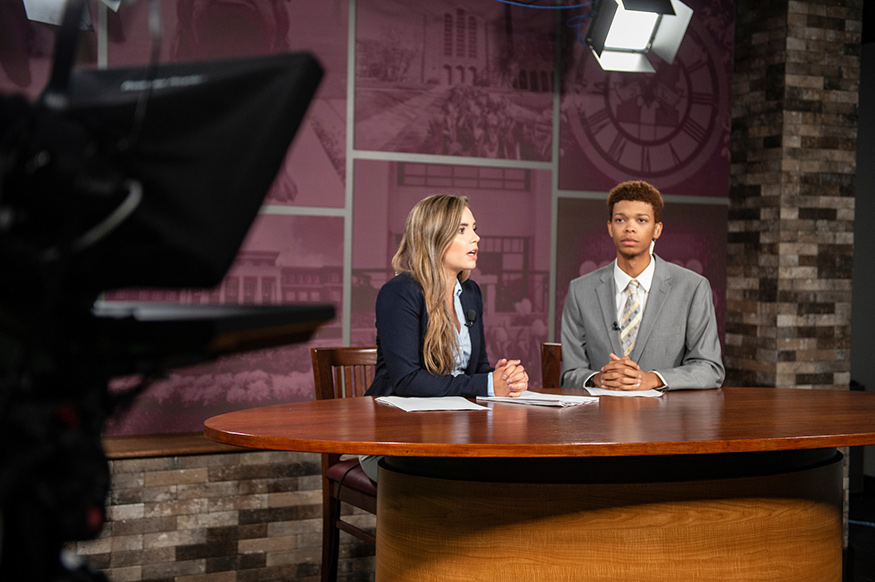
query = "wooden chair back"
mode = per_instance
[
  {"x": 551, "y": 364},
  {"x": 342, "y": 373}
]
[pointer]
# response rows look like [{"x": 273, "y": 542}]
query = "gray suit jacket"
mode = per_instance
[{"x": 677, "y": 337}]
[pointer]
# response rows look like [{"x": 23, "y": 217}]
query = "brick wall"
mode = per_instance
[
  {"x": 252, "y": 516},
  {"x": 791, "y": 217}
]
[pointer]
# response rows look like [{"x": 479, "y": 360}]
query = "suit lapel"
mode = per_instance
[
  {"x": 606, "y": 297},
  {"x": 467, "y": 300},
  {"x": 659, "y": 288}
]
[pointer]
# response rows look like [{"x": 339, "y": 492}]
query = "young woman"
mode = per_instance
[{"x": 430, "y": 339}]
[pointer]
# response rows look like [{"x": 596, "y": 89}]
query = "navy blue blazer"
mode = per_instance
[{"x": 401, "y": 325}]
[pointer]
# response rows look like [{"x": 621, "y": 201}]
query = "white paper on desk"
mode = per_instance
[
  {"x": 541, "y": 399},
  {"x": 641, "y": 393},
  {"x": 413, "y": 404}
]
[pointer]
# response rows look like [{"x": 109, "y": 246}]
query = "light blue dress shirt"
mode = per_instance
[{"x": 463, "y": 356}]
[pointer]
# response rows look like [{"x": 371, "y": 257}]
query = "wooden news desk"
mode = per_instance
[{"x": 732, "y": 484}]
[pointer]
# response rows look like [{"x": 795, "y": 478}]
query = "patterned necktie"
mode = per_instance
[{"x": 631, "y": 318}]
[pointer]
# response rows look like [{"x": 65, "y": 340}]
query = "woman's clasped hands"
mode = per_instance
[{"x": 509, "y": 378}]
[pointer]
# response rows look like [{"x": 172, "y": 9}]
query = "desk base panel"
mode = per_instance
[{"x": 778, "y": 527}]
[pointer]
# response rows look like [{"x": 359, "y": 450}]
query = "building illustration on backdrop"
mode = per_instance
[{"x": 460, "y": 80}]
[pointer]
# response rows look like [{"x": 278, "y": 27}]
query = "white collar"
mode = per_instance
[{"x": 645, "y": 278}]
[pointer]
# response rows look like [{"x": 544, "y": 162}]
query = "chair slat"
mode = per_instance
[
  {"x": 349, "y": 382},
  {"x": 338, "y": 382}
]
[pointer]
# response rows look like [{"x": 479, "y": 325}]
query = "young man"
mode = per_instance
[{"x": 639, "y": 323}]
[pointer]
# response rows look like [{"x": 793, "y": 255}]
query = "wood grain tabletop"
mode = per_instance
[{"x": 728, "y": 420}]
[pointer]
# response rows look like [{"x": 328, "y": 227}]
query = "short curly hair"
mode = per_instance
[{"x": 636, "y": 190}]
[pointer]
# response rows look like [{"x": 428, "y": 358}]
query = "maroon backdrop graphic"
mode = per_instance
[
  {"x": 284, "y": 260},
  {"x": 459, "y": 79},
  {"x": 512, "y": 210},
  {"x": 670, "y": 128},
  {"x": 694, "y": 236},
  {"x": 313, "y": 173}
]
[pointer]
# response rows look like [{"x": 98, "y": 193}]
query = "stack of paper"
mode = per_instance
[
  {"x": 626, "y": 393},
  {"x": 542, "y": 399},
  {"x": 413, "y": 404}
]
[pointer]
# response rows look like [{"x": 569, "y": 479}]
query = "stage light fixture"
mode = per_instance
[{"x": 622, "y": 32}]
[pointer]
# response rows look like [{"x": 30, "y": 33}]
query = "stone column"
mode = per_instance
[{"x": 791, "y": 214}]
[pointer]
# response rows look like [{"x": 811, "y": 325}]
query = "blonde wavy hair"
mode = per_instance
[{"x": 430, "y": 229}]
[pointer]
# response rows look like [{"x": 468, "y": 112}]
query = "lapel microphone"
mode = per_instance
[
  {"x": 616, "y": 326},
  {"x": 470, "y": 317}
]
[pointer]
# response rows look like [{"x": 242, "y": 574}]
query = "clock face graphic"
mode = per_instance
[{"x": 663, "y": 126}]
